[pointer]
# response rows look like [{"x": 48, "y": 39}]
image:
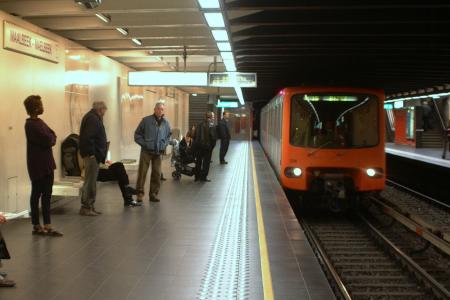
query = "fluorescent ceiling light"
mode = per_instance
[
  {"x": 226, "y": 55},
  {"x": 435, "y": 96},
  {"x": 103, "y": 17},
  {"x": 74, "y": 57},
  {"x": 220, "y": 35},
  {"x": 231, "y": 68},
  {"x": 238, "y": 91},
  {"x": 137, "y": 42},
  {"x": 209, "y": 3},
  {"x": 229, "y": 65},
  {"x": 151, "y": 78},
  {"x": 224, "y": 46},
  {"x": 214, "y": 20},
  {"x": 122, "y": 31}
]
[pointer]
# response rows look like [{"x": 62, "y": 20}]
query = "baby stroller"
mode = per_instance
[{"x": 181, "y": 164}]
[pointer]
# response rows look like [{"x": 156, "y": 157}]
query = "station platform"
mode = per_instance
[
  {"x": 235, "y": 237},
  {"x": 427, "y": 155}
]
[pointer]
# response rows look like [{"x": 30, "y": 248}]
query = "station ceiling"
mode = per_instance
[{"x": 397, "y": 45}]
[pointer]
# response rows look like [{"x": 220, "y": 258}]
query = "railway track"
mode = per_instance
[
  {"x": 399, "y": 249},
  {"x": 430, "y": 214},
  {"x": 364, "y": 264},
  {"x": 424, "y": 233}
]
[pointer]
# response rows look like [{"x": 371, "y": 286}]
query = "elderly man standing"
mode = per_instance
[
  {"x": 152, "y": 134},
  {"x": 93, "y": 150}
]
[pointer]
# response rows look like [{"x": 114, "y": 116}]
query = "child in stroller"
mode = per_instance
[{"x": 182, "y": 157}]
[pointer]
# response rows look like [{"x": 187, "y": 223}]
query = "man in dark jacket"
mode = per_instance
[
  {"x": 93, "y": 150},
  {"x": 446, "y": 141},
  {"x": 204, "y": 141},
  {"x": 224, "y": 135},
  {"x": 427, "y": 115},
  {"x": 152, "y": 134}
]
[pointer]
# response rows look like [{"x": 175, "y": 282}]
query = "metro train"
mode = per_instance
[{"x": 326, "y": 144}]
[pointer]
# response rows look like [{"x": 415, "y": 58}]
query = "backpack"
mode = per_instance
[{"x": 69, "y": 156}]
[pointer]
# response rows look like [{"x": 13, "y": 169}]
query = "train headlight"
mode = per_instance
[
  {"x": 297, "y": 172},
  {"x": 371, "y": 172},
  {"x": 293, "y": 172}
]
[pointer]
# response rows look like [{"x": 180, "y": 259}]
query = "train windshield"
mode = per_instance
[{"x": 334, "y": 120}]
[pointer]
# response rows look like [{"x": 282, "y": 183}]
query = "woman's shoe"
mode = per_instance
[
  {"x": 38, "y": 230},
  {"x": 53, "y": 232}
]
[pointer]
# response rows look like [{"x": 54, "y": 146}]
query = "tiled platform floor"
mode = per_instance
[{"x": 163, "y": 250}]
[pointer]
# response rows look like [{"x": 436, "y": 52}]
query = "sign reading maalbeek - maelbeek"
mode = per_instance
[{"x": 24, "y": 41}]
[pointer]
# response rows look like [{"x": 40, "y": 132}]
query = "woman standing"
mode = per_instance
[{"x": 41, "y": 165}]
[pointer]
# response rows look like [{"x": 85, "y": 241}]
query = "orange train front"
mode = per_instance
[{"x": 326, "y": 142}]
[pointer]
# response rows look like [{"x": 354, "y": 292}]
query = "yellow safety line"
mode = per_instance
[{"x": 264, "y": 253}]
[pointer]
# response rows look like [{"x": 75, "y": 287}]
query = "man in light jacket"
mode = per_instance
[{"x": 152, "y": 134}]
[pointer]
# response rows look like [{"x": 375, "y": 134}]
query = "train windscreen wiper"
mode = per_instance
[{"x": 319, "y": 148}]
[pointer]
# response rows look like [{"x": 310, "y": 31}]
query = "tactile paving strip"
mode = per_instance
[{"x": 227, "y": 273}]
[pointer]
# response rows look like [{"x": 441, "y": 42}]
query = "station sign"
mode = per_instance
[
  {"x": 232, "y": 79},
  {"x": 30, "y": 43},
  {"x": 227, "y": 104}
]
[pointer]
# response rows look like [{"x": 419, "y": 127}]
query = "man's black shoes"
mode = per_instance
[
  {"x": 132, "y": 204},
  {"x": 131, "y": 191}
]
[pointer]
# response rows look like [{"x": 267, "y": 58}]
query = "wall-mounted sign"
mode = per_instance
[
  {"x": 18, "y": 39},
  {"x": 398, "y": 104},
  {"x": 232, "y": 79}
]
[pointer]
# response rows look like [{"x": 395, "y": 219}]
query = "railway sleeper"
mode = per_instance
[
  {"x": 373, "y": 273},
  {"x": 364, "y": 265}
]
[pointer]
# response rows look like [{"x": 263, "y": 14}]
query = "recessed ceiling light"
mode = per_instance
[
  {"x": 137, "y": 42},
  {"x": 123, "y": 31},
  {"x": 103, "y": 17},
  {"x": 220, "y": 34},
  {"x": 224, "y": 46},
  {"x": 214, "y": 20},
  {"x": 209, "y": 3}
]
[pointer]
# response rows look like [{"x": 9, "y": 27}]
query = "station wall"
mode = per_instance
[{"x": 68, "y": 89}]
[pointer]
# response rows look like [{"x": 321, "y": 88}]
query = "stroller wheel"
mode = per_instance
[{"x": 176, "y": 175}]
